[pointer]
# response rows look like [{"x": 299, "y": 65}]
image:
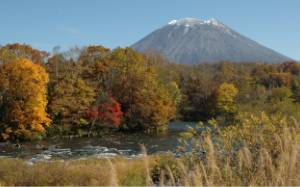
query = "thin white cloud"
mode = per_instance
[{"x": 68, "y": 30}]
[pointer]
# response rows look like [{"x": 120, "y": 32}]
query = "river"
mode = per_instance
[{"x": 119, "y": 144}]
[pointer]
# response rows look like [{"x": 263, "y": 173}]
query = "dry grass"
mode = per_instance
[
  {"x": 91, "y": 172},
  {"x": 244, "y": 168}
]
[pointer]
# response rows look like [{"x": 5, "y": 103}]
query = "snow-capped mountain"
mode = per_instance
[{"x": 192, "y": 41}]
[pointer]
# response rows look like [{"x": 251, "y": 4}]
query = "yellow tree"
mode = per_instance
[
  {"x": 225, "y": 99},
  {"x": 23, "y": 100}
]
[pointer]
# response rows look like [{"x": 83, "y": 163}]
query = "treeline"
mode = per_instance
[
  {"x": 273, "y": 88},
  {"x": 83, "y": 91}
]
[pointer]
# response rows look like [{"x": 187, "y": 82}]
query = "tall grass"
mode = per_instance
[{"x": 244, "y": 156}]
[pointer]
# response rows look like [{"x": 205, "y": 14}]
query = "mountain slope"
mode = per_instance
[{"x": 192, "y": 41}]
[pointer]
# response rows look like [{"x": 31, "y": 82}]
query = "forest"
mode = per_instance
[{"x": 91, "y": 90}]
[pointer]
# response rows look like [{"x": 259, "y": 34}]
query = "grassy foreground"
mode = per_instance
[
  {"x": 259, "y": 150},
  {"x": 151, "y": 170}
]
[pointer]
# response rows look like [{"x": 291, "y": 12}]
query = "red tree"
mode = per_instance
[{"x": 107, "y": 112}]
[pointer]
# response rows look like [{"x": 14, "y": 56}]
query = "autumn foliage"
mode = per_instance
[
  {"x": 69, "y": 98},
  {"x": 148, "y": 91},
  {"x": 225, "y": 98},
  {"x": 147, "y": 103},
  {"x": 23, "y": 86},
  {"x": 15, "y": 51},
  {"x": 107, "y": 112}
]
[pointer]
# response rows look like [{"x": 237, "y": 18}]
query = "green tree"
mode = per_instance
[
  {"x": 295, "y": 87},
  {"x": 282, "y": 94},
  {"x": 197, "y": 102},
  {"x": 69, "y": 100}
]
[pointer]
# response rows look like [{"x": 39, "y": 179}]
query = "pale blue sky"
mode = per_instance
[{"x": 112, "y": 23}]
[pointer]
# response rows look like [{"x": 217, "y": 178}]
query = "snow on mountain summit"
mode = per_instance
[{"x": 194, "y": 21}]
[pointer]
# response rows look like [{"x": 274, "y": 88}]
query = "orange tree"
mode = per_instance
[{"x": 22, "y": 100}]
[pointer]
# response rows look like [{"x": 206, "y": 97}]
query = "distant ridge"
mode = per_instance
[{"x": 193, "y": 41}]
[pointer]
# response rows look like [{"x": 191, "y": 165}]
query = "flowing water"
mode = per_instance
[{"x": 118, "y": 144}]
